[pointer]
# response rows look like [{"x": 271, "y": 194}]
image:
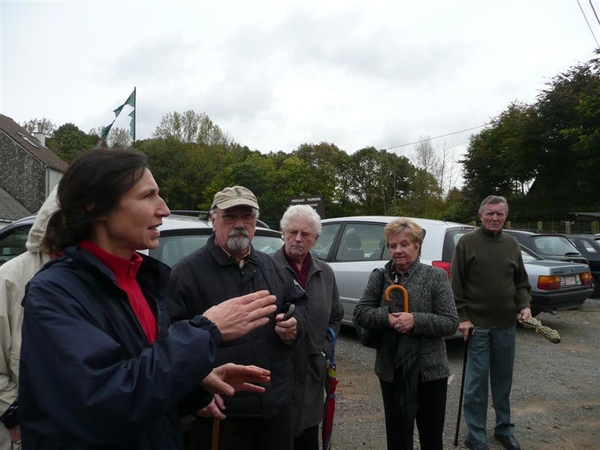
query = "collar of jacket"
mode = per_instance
[{"x": 223, "y": 259}]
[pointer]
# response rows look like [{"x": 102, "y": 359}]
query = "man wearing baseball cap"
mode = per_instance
[{"x": 230, "y": 264}]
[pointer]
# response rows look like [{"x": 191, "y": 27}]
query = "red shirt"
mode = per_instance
[
  {"x": 125, "y": 271},
  {"x": 303, "y": 272}
]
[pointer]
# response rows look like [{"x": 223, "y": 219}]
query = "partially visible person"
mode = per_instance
[
  {"x": 432, "y": 316},
  {"x": 226, "y": 266},
  {"x": 100, "y": 366},
  {"x": 491, "y": 290},
  {"x": 301, "y": 227},
  {"x": 14, "y": 275}
]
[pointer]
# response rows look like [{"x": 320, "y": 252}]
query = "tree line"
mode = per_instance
[{"x": 544, "y": 157}]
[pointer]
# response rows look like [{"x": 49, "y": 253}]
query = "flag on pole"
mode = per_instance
[
  {"x": 132, "y": 125},
  {"x": 106, "y": 130},
  {"x": 130, "y": 101}
]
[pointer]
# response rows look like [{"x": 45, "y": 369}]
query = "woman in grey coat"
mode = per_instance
[
  {"x": 432, "y": 315},
  {"x": 301, "y": 227}
]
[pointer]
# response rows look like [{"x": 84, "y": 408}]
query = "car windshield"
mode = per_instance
[{"x": 553, "y": 245}]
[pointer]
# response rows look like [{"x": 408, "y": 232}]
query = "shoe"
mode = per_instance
[
  {"x": 472, "y": 446},
  {"x": 508, "y": 442}
]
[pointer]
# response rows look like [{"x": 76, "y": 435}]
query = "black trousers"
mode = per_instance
[
  {"x": 431, "y": 411},
  {"x": 308, "y": 439},
  {"x": 246, "y": 434}
]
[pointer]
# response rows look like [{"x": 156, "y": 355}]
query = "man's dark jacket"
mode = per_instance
[
  {"x": 209, "y": 276},
  {"x": 89, "y": 379}
]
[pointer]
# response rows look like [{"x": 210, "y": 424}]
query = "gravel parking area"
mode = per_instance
[{"x": 555, "y": 395}]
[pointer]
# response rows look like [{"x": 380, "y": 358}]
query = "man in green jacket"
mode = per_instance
[{"x": 491, "y": 291}]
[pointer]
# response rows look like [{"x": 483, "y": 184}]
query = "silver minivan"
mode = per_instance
[{"x": 354, "y": 246}]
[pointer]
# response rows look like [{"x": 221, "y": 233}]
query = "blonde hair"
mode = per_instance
[{"x": 404, "y": 225}]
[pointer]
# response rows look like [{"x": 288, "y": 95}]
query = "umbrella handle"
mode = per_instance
[{"x": 397, "y": 287}]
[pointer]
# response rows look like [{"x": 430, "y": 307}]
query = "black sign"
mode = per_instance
[{"x": 315, "y": 202}]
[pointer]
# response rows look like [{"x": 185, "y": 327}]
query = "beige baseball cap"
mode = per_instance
[{"x": 234, "y": 196}]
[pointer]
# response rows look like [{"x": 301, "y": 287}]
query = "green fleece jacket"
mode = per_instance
[{"x": 489, "y": 280}]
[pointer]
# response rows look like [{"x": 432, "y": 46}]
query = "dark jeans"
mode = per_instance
[
  {"x": 247, "y": 434},
  {"x": 308, "y": 439}
]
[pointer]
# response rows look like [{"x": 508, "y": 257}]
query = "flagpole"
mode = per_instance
[{"x": 134, "y": 113}]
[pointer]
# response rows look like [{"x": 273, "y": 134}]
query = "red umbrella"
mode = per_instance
[{"x": 331, "y": 382}]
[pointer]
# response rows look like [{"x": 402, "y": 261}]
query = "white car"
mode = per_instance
[
  {"x": 180, "y": 235},
  {"x": 354, "y": 246}
]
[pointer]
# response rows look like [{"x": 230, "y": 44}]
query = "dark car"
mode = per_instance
[
  {"x": 548, "y": 245},
  {"x": 13, "y": 238},
  {"x": 589, "y": 246}
]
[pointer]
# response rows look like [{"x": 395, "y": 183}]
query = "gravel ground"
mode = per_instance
[{"x": 555, "y": 396}]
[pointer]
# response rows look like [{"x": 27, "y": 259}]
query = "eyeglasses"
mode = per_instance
[
  {"x": 304, "y": 234},
  {"x": 230, "y": 219}
]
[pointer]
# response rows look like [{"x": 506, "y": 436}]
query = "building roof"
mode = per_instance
[
  {"x": 10, "y": 209},
  {"x": 30, "y": 144}
]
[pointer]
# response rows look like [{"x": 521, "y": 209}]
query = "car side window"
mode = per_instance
[
  {"x": 588, "y": 246},
  {"x": 361, "y": 242},
  {"x": 13, "y": 244},
  {"x": 172, "y": 248},
  {"x": 324, "y": 243}
]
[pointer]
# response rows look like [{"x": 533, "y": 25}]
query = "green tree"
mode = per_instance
[
  {"x": 190, "y": 126},
  {"x": 568, "y": 112},
  {"x": 68, "y": 141},
  {"x": 327, "y": 166},
  {"x": 543, "y": 157},
  {"x": 378, "y": 180},
  {"x": 117, "y": 137}
]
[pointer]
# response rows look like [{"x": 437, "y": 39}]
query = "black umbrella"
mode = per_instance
[{"x": 406, "y": 350}]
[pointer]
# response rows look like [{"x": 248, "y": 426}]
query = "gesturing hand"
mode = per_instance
[
  {"x": 240, "y": 315},
  {"x": 230, "y": 378}
]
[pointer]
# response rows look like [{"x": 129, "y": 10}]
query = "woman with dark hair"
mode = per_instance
[
  {"x": 100, "y": 366},
  {"x": 413, "y": 371}
]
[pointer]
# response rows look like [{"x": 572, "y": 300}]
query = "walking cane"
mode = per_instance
[
  {"x": 462, "y": 386},
  {"x": 214, "y": 443}
]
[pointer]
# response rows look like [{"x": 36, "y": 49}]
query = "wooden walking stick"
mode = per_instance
[
  {"x": 462, "y": 386},
  {"x": 214, "y": 443}
]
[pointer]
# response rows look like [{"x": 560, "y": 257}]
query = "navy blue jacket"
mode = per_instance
[
  {"x": 209, "y": 276},
  {"x": 89, "y": 378}
]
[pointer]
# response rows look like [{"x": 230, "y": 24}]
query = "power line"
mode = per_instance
[
  {"x": 588, "y": 24},
  {"x": 594, "y": 11},
  {"x": 435, "y": 137}
]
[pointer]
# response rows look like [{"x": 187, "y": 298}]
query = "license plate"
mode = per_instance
[{"x": 571, "y": 281}]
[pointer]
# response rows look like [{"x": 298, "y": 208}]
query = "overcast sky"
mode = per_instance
[{"x": 277, "y": 74}]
